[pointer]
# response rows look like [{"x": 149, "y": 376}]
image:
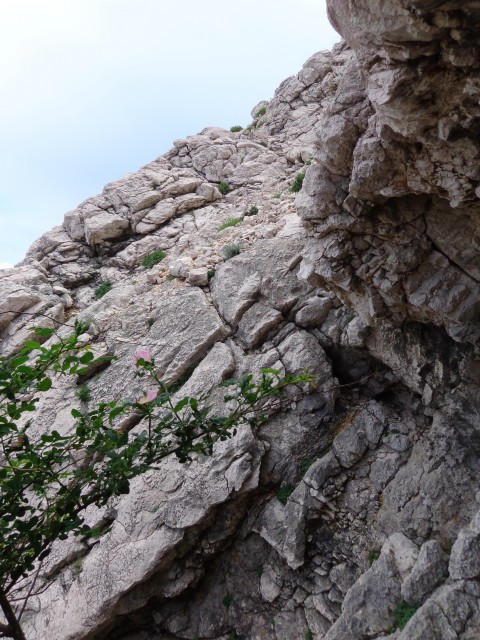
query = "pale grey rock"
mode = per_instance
[
  {"x": 465, "y": 557},
  {"x": 256, "y": 322},
  {"x": 314, "y": 312},
  {"x": 181, "y": 267},
  {"x": 403, "y": 551},
  {"x": 198, "y": 277},
  {"x": 429, "y": 571},
  {"x": 15, "y": 299},
  {"x": 369, "y": 604},
  {"x": 271, "y": 583},
  {"x": 290, "y": 625},
  {"x": 104, "y": 226}
]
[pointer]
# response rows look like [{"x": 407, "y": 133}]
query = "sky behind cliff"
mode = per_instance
[{"x": 94, "y": 89}]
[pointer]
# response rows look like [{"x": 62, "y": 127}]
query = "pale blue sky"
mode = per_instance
[{"x": 94, "y": 89}]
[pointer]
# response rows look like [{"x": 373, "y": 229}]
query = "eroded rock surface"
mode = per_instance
[{"x": 354, "y": 512}]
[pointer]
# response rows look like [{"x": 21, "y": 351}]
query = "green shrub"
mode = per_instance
[
  {"x": 227, "y": 600},
  {"x": 153, "y": 258},
  {"x": 210, "y": 274},
  {"x": 284, "y": 493},
  {"x": 103, "y": 288},
  {"x": 252, "y": 211},
  {"x": 236, "y": 128},
  {"x": 403, "y": 613},
  {"x": 373, "y": 555},
  {"x": 305, "y": 466},
  {"x": 297, "y": 183},
  {"x": 231, "y": 222},
  {"x": 261, "y": 112},
  {"x": 224, "y": 188},
  {"x": 231, "y": 250},
  {"x": 83, "y": 393}
]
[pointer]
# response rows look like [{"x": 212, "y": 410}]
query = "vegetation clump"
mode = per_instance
[
  {"x": 224, "y": 188},
  {"x": 297, "y": 183},
  {"x": 252, "y": 211},
  {"x": 403, "y": 613},
  {"x": 261, "y": 112},
  {"x": 284, "y": 493},
  {"x": 231, "y": 222},
  {"x": 83, "y": 393},
  {"x": 103, "y": 288},
  {"x": 236, "y": 128},
  {"x": 153, "y": 258},
  {"x": 231, "y": 250}
]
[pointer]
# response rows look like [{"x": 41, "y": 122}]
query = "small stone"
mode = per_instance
[
  {"x": 181, "y": 267},
  {"x": 198, "y": 277}
]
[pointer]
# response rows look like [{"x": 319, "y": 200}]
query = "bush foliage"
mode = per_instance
[{"x": 47, "y": 481}]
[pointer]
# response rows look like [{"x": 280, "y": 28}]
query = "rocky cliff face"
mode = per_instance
[{"x": 369, "y": 277}]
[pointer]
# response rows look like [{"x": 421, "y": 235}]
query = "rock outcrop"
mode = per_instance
[{"x": 355, "y": 513}]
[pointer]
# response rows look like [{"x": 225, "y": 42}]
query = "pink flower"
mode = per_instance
[
  {"x": 141, "y": 354},
  {"x": 149, "y": 395}
]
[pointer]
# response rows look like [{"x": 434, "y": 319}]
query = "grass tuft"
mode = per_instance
[
  {"x": 236, "y": 128},
  {"x": 231, "y": 250},
  {"x": 297, "y": 183},
  {"x": 153, "y": 258},
  {"x": 231, "y": 222},
  {"x": 103, "y": 288},
  {"x": 224, "y": 188}
]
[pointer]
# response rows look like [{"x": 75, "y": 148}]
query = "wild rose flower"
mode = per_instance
[
  {"x": 141, "y": 354},
  {"x": 150, "y": 395}
]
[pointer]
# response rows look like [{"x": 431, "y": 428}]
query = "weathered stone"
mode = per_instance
[
  {"x": 429, "y": 571},
  {"x": 256, "y": 322},
  {"x": 104, "y": 226},
  {"x": 198, "y": 277}
]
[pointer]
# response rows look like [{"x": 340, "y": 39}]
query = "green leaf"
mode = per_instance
[
  {"x": 87, "y": 357},
  {"x": 44, "y": 332},
  {"x": 44, "y": 385}
]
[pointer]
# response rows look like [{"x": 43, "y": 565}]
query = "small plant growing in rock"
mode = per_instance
[
  {"x": 402, "y": 614},
  {"x": 236, "y": 128},
  {"x": 252, "y": 211},
  {"x": 210, "y": 274},
  {"x": 155, "y": 184},
  {"x": 261, "y": 112},
  {"x": 153, "y": 258},
  {"x": 103, "y": 288},
  {"x": 373, "y": 556},
  {"x": 297, "y": 183},
  {"x": 309, "y": 635},
  {"x": 284, "y": 493},
  {"x": 231, "y": 222},
  {"x": 277, "y": 196},
  {"x": 231, "y": 250},
  {"x": 305, "y": 466},
  {"x": 227, "y": 600},
  {"x": 83, "y": 393},
  {"x": 224, "y": 188}
]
